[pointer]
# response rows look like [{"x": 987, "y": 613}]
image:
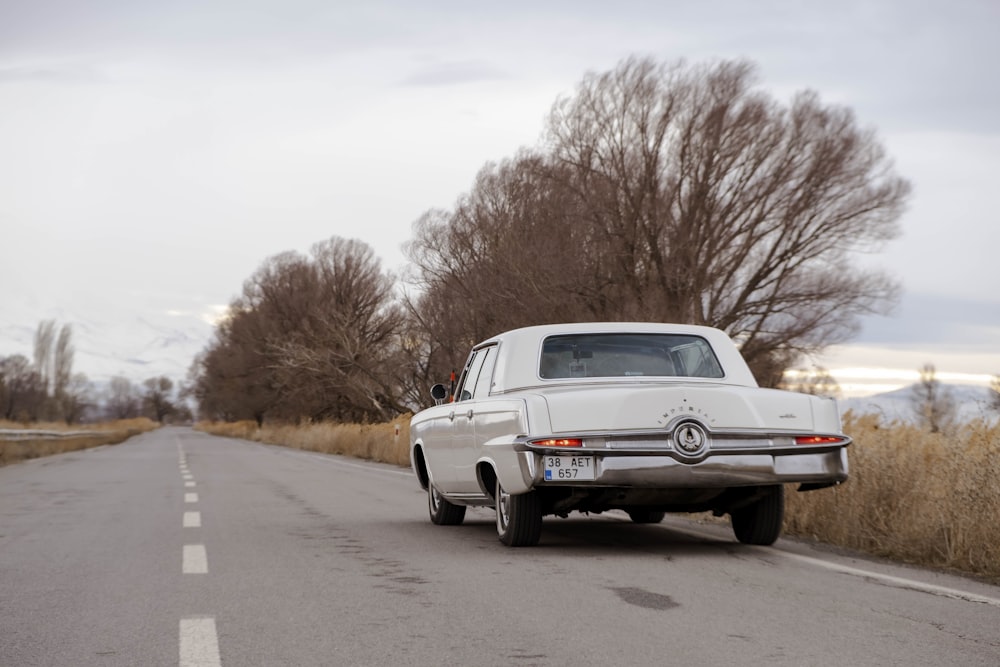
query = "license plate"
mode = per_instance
[{"x": 568, "y": 468}]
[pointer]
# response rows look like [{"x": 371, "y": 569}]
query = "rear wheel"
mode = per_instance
[
  {"x": 442, "y": 512},
  {"x": 519, "y": 518},
  {"x": 760, "y": 522},
  {"x": 646, "y": 516}
]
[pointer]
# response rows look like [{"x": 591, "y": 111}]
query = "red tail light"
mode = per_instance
[
  {"x": 558, "y": 442},
  {"x": 818, "y": 439}
]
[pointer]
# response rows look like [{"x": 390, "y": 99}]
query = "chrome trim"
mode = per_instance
[{"x": 719, "y": 471}]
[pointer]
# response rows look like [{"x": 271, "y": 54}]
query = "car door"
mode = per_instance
[{"x": 474, "y": 388}]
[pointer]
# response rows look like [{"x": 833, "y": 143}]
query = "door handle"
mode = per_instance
[
  {"x": 451, "y": 416},
  {"x": 469, "y": 414}
]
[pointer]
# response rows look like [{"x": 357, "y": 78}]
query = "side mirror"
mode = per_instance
[{"x": 439, "y": 392}]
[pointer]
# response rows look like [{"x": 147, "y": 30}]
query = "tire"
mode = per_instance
[
  {"x": 519, "y": 518},
  {"x": 646, "y": 516},
  {"x": 443, "y": 513},
  {"x": 760, "y": 522}
]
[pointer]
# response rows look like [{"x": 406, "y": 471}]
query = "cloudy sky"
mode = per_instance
[{"x": 153, "y": 154}]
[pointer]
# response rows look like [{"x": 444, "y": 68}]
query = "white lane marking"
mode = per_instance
[
  {"x": 199, "y": 643},
  {"x": 195, "y": 560},
  {"x": 188, "y": 476},
  {"x": 897, "y": 582},
  {"x": 189, "y": 484},
  {"x": 190, "y": 497},
  {"x": 192, "y": 519}
]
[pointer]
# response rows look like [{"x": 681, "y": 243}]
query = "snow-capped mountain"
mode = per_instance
[
  {"x": 112, "y": 341},
  {"x": 972, "y": 402}
]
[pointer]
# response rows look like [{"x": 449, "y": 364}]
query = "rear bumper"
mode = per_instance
[{"x": 716, "y": 471}]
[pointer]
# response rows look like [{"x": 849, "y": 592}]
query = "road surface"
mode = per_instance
[{"x": 179, "y": 548}]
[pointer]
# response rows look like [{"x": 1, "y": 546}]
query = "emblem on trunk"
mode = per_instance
[{"x": 690, "y": 438}]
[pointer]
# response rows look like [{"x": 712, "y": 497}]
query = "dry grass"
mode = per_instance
[
  {"x": 923, "y": 498},
  {"x": 79, "y": 437},
  {"x": 375, "y": 442}
]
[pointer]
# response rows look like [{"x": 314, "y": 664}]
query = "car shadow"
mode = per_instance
[{"x": 603, "y": 535}]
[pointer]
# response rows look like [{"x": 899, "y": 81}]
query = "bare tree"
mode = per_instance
[
  {"x": 994, "y": 393},
  {"x": 62, "y": 361},
  {"x": 818, "y": 382},
  {"x": 157, "y": 398},
  {"x": 674, "y": 193},
  {"x": 22, "y": 391},
  {"x": 75, "y": 398},
  {"x": 44, "y": 338},
  {"x": 316, "y": 337},
  {"x": 344, "y": 348},
  {"x": 122, "y": 400},
  {"x": 714, "y": 204},
  {"x": 932, "y": 404}
]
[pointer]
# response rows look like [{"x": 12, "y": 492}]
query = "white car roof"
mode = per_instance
[{"x": 520, "y": 350}]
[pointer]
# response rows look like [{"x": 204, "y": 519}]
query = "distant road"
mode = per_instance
[{"x": 182, "y": 548}]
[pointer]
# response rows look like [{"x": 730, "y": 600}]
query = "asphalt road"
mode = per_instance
[{"x": 182, "y": 548}]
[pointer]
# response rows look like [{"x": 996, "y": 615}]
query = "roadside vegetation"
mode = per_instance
[
  {"x": 20, "y": 442},
  {"x": 923, "y": 498},
  {"x": 373, "y": 442}
]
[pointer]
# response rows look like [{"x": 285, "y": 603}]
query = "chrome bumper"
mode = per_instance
[{"x": 716, "y": 471}]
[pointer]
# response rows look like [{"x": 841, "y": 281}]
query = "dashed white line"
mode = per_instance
[
  {"x": 189, "y": 484},
  {"x": 192, "y": 519},
  {"x": 188, "y": 476},
  {"x": 190, "y": 497},
  {"x": 199, "y": 643},
  {"x": 195, "y": 560}
]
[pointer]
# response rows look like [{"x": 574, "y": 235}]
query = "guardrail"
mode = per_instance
[{"x": 39, "y": 434}]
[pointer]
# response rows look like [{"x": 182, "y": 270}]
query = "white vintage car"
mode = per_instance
[{"x": 645, "y": 418}]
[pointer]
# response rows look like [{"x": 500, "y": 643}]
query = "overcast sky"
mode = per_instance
[{"x": 153, "y": 154}]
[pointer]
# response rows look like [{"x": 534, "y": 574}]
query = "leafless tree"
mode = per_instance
[
  {"x": 932, "y": 404},
  {"x": 122, "y": 400},
  {"x": 674, "y": 193},
  {"x": 717, "y": 205},
  {"x": 157, "y": 398},
  {"x": 62, "y": 361},
  {"x": 44, "y": 339},
  {"x": 75, "y": 398},
  {"x": 994, "y": 393},
  {"x": 22, "y": 392},
  {"x": 343, "y": 350},
  {"x": 818, "y": 382},
  {"x": 314, "y": 337}
]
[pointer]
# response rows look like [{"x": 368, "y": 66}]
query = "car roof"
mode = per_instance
[{"x": 520, "y": 350}]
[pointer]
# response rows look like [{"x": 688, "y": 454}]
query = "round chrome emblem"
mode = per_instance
[{"x": 690, "y": 438}]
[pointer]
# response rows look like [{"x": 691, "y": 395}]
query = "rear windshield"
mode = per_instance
[{"x": 627, "y": 355}]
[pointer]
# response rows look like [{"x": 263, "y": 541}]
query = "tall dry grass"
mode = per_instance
[
  {"x": 924, "y": 498},
  {"x": 928, "y": 499},
  {"x": 374, "y": 442},
  {"x": 71, "y": 438}
]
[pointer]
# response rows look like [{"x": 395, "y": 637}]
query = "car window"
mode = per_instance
[
  {"x": 627, "y": 355},
  {"x": 485, "y": 380},
  {"x": 470, "y": 376}
]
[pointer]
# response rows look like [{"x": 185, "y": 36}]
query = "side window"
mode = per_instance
[
  {"x": 485, "y": 380},
  {"x": 464, "y": 391}
]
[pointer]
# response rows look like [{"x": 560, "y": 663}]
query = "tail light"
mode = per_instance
[
  {"x": 819, "y": 439},
  {"x": 558, "y": 442}
]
